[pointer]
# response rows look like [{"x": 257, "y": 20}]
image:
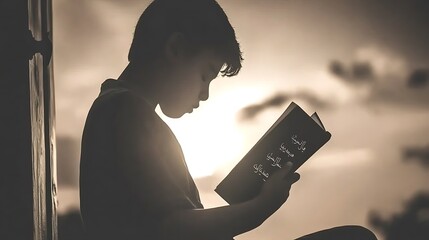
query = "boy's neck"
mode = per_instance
[{"x": 142, "y": 81}]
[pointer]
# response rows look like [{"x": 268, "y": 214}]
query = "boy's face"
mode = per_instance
[{"x": 187, "y": 82}]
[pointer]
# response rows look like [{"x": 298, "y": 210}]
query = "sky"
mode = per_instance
[{"x": 363, "y": 65}]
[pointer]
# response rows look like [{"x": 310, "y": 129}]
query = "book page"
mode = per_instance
[{"x": 316, "y": 118}]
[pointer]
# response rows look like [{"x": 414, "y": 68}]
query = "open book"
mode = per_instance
[{"x": 295, "y": 137}]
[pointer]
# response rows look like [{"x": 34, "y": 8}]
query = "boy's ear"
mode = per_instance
[{"x": 175, "y": 47}]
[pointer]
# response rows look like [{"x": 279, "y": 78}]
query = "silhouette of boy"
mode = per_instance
[{"x": 134, "y": 182}]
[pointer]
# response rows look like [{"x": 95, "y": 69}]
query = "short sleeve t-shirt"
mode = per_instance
[{"x": 132, "y": 169}]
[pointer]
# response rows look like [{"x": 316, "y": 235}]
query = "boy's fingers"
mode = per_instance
[{"x": 284, "y": 172}]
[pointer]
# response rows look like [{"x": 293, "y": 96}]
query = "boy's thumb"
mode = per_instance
[
  {"x": 288, "y": 166},
  {"x": 295, "y": 177}
]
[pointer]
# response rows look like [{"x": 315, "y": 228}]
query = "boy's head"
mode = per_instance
[
  {"x": 192, "y": 39},
  {"x": 203, "y": 24}
]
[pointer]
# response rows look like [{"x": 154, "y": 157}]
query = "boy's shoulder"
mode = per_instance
[
  {"x": 115, "y": 97},
  {"x": 114, "y": 90}
]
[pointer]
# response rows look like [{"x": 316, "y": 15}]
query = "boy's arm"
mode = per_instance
[
  {"x": 229, "y": 221},
  {"x": 181, "y": 223}
]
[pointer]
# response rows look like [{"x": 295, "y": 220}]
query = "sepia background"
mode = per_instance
[{"x": 363, "y": 65}]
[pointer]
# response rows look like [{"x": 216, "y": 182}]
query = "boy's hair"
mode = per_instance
[{"x": 203, "y": 23}]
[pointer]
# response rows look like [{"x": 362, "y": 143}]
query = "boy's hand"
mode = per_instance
[{"x": 275, "y": 190}]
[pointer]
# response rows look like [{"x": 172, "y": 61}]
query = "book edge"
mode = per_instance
[
  {"x": 317, "y": 119},
  {"x": 286, "y": 112}
]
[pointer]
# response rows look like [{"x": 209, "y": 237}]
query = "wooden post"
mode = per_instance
[{"x": 27, "y": 163}]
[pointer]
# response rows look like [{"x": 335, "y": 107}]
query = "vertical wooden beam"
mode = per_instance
[
  {"x": 16, "y": 162},
  {"x": 27, "y": 162},
  {"x": 50, "y": 136}
]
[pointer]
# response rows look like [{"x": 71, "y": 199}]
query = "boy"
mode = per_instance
[{"x": 134, "y": 183}]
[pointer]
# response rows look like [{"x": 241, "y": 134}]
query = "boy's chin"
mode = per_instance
[{"x": 173, "y": 112}]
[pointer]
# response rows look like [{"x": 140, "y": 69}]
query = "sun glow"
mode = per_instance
[{"x": 210, "y": 137}]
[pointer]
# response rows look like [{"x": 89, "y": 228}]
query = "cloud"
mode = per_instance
[
  {"x": 77, "y": 31},
  {"x": 277, "y": 100},
  {"x": 342, "y": 158},
  {"x": 412, "y": 223},
  {"x": 385, "y": 62},
  {"x": 419, "y": 154},
  {"x": 409, "y": 92},
  {"x": 357, "y": 73},
  {"x": 68, "y": 160},
  {"x": 385, "y": 78},
  {"x": 91, "y": 42},
  {"x": 251, "y": 111},
  {"x": 419, "y": 78}
]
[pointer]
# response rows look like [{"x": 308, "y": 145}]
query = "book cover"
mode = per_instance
[{"x": 295, "y": 137}]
